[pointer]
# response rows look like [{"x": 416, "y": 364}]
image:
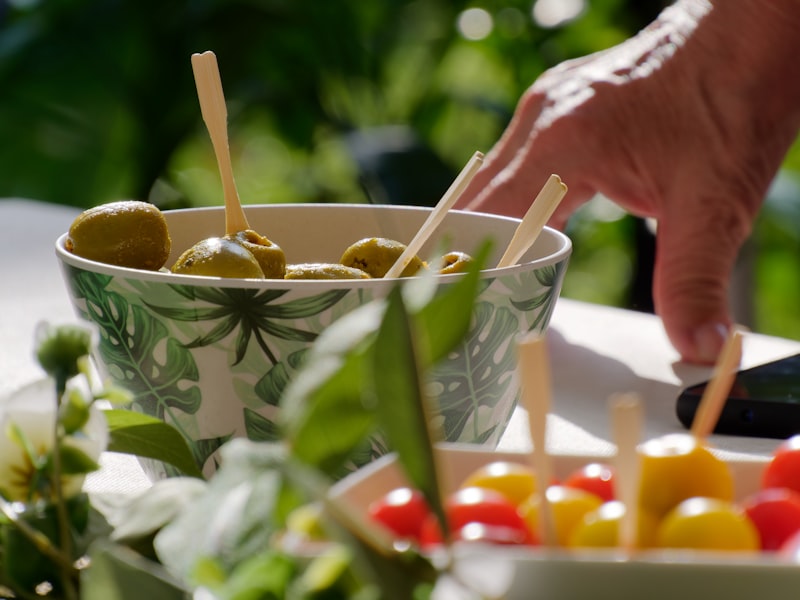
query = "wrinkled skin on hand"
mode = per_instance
[{"x": 687, "y": 122}]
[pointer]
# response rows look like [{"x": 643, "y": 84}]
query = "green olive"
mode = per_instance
[
  {"x": 127, "y": 233},
  {"x": 377, "y": 255},
  {"x": 218, "y": 257},
  {"x": 455, "y": 262},
  {"x": 323, "y": 271},
  {"x": 268, "y": 254}
]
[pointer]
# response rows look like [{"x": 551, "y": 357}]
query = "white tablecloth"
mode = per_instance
[{"x": 595, "y": 351}]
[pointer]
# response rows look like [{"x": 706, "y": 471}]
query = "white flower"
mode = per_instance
[{"x": 29, "y": 415}]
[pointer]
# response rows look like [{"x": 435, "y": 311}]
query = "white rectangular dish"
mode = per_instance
[{"x": 538, "y": 574}]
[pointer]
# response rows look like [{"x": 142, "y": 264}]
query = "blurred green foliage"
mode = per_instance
[
  {"x": 775, "y": 251},
  {"x": 99, "y": 100},
  {"x": 328, "y": 101}
]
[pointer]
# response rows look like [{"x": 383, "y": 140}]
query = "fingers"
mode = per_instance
[{"x": 696, "y": 252}]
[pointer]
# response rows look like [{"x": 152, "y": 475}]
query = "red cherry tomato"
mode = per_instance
[
  {"x": 783, "y": 471},
  {"x": 775, "y": 513},
  {"x": 402, "y": 511},
  {"x": 478, "y": 505},
  {"x": 595, "y": 478}
]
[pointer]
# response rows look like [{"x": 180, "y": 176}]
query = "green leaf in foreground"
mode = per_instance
[
  {"x": 142, "y": 435},
  {"x": 324, "y": 415},
  {"x": 444, "y": 321},
  {"x": 75, "y": 461},
  {"x": 118, "y": 573},
  {"x": 137, "y": 518},
  {"x": 402, "y": 406},
  {"x": 234, "y": 519},
  {"x": 329, "y": 408},
  {"x": 228, "y": 538}
]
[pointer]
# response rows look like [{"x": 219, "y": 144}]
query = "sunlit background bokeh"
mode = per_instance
[{"x": 330, "y": 101}]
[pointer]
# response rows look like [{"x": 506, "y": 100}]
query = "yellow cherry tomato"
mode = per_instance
[
  {"x": 599, "y": 528},
  {"x": 515, "y": 481},
  {"x": 708, "y": 524},
  {"x": 568, "y": 506},
  {"x": 676, "y": 467}
]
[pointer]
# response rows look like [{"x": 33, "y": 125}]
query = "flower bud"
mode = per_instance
[
  {"x": 58, "y": 348},
  {"x": 73, "y": 413}
]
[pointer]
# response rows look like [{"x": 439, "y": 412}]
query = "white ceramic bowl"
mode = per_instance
[
  {"x": 212, "y": 355},
  {"x": 518, "y": 573}
]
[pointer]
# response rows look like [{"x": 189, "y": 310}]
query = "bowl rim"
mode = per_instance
[{"x": 67, "y": 258}]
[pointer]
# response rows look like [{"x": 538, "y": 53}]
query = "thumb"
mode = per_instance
[{"x": 695, "y": 255}]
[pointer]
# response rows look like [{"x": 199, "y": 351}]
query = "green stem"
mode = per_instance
[
  {"x": 65, "y": 541},
  {"x": 38, "y": 539}
]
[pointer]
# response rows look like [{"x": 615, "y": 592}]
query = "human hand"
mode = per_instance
[{"x": 681, "y": 123}]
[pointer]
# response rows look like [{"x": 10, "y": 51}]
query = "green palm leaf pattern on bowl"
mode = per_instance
[
  {"x": 154, "y": 349},
  {"x": 252, "y": 314}
]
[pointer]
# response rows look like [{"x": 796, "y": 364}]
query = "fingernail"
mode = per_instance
[{"x": 709, "y": 340}]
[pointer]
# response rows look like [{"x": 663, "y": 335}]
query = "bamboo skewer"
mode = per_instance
[
  {"x": 437, "y": 215},
  {"x": 534, "y": 220},
  {"x": 215, "y": 115},
  {"x": 718, "y": 388},
  {"x": 534, "y": 374},
  {"x": 626, "y": 419}
]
